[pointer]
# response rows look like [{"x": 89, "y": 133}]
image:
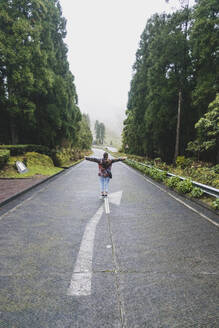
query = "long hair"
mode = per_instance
[{"x": 105, "y": 161}]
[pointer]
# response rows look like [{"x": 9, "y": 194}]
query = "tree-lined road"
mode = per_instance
[{"x": 65, "y": 263}]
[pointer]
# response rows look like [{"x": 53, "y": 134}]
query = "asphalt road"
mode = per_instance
[{"x": 65, "y": 263}]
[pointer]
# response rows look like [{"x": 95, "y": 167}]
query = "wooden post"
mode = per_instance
[{"x": 178, "y": 126}]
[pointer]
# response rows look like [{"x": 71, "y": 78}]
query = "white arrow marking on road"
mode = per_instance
[
  {"x": 81, "y": 278},
  {"x": 115, "y": 198}
]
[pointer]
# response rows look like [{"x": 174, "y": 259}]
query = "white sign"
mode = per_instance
[{"x": 21, "y": 167}]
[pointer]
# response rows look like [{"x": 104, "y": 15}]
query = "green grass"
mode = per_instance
[
  {"x": 9, "y": 172},
  {"x": 37, "y": 164}
]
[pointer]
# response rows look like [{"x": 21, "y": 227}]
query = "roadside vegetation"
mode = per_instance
[
  {"x": 41, "y": 124},
  {"x": 187, "y": 168},
  {"x": 203, "y": 172},
  {"x": 37, "y": 164},
  {"x": 172, "y": 116}
]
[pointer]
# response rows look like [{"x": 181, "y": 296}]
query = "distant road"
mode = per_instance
[
  {"x": 114, "y": 150},
  {"x": 65, "y": 263}
]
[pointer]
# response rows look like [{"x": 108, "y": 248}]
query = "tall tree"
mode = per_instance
[
  {"x": 176, "y": 67},
  {"x": 97, "y": 131},
  {"x": 208, "y": 133},
  {"x": 39, "y": 100},
  {"x": 17, "y": 45},
  {"x": 102, "y": 133},
  {"x": 85, "y": 137},
  {"x": 134, "y": 140},
  {"x": 204, "y": 38},
  {"x": 160, "y": 72}
]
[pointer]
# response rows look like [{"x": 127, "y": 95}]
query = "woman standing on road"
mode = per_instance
[{"x": 105, "y": 174}]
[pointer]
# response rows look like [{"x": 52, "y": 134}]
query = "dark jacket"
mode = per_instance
[{"x": 104, "y": 166}]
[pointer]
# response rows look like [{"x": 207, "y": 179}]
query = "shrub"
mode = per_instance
[
  {"x": 216, "y": 168},
  {"x": 157, "y": 161},
  {"x": 172, "y": 182},
  {"x": 180, "y": 160},
  {"x": 158, "y": 175},
  {"x": 64, "y": 156},
  {"x": 147, "y": 170},
  {"x": 36, "y": 159},
  {"x": 4, "y": 156},
  {"x": 215, "y": 183},
  {"x": 215, "y": 204},
  {"x": 183, "y": 162},
  {"x": 22, "y": 149},
  {"x": 151, "y": 172},
  {"x": 196, "y": 192},
  {"x": 184, "y": 186}
]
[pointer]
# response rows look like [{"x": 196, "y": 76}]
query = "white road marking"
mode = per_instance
[
  {"x": 176, "y": 198},
  {"x": 106, "y": 201},
  {"x": 81, "y": 279},
  {"x": 115, "y": 197},
  {"x": 80, "y": 284}
]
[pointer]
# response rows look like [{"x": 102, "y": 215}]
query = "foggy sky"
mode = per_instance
[{"x": 102, "y": 38}]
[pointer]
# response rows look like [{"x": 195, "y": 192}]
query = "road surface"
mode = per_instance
[{"x": 65, "y": 263}]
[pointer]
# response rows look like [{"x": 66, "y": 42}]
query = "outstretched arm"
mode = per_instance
[
  {"x": 92, "y": 159},
  {"x": 118, "y": 159}
]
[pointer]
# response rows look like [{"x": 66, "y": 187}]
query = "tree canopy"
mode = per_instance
[
  {"x": 177, "y": 54},
  {"x": 85, "y": 137},
  {"x": 207, "y": 132},
  {"x": 38, "y": 99}
]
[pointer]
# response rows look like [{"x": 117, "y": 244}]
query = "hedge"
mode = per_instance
[
  {"x": 63, "y": 156},
  {"x": 22, "y": 149},
  {"x": 4, "y": 156}
]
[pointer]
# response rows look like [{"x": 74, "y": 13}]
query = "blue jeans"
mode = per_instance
[{"x": 104, "y": 184}]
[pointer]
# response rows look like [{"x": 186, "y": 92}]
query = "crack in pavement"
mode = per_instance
[{"x": 120, "y": 300}]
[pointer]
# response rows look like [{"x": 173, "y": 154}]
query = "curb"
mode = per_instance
[{"x": 6, "y": 201}]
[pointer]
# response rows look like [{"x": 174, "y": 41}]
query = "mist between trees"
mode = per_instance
[
  {"x": 176, "y": 67},
  {"x": 38, "y": 99},
  {"x": 99, "y": 132}
]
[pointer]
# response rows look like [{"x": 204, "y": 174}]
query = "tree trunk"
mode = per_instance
[
  {"x": 178, "y": 126},
  {"x": 14, "y": 136}
]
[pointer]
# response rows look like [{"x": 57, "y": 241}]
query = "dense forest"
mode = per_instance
[
  {"x": 38, "y": 99},
  {"x": 176, "y": 71}
]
